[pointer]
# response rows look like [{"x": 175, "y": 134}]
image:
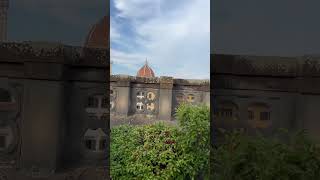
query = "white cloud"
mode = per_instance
[
  {"x": 136, "y": 9},
  {"x": 176, "y": 41},
  {"x": 129, "y": 60},
  {"x": 114, "y": 33}
]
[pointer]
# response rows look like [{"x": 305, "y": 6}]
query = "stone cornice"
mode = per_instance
[
  {"x": 47, "y": 61},
  {"x": 266, "y": 65},
  {"x": 53, "y": 53},
  {"x": 157, "y": 80}
]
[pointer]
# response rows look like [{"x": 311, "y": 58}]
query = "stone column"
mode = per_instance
[
  {"x": 165, "y": 98},
  {"x": 43, "y": 116},
  {"x": 123, "y": 98},
  {"x": 41, "y": 126},
  {"x": 206, "y": 98}
]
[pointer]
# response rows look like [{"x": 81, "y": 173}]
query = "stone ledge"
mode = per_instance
[
  {"x": 300, "y": 66},
  {"x": 12, "y": 52},
  {"x": 157, "y": 80}
]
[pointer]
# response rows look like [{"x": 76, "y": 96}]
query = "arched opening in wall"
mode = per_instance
[
  {"x": 95, "y": 140},
  {"x": 259, "y": 115},
  {"x": 226, "y": 111}
]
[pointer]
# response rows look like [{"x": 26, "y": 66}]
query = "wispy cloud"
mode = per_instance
[
  {"x": 137, "y": 9},
  {"x": 175, "y": 37}
]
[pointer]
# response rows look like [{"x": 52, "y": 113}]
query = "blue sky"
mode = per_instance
[{"x": 173, "y": 35}]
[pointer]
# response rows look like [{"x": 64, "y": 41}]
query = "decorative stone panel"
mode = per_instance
[
  {"x": 145, "y": 101},
  {"x": 153, "y": 97}
]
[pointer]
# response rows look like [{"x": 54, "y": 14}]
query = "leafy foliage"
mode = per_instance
[
  {"x": 161, "y": 151},
  {"x": 245, "y": 157}
]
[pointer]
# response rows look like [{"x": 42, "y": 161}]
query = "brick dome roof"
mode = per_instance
[
  {"x": 145, "y": 71},
  {"x": 98, "y": 36}
]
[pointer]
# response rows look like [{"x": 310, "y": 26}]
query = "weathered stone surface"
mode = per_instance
[
  {"x": 44, "y": 97},
  {"x": 53, "y": 52},
  {"x": 131, "y": 92},
  {"x": 288, "y": 85}
]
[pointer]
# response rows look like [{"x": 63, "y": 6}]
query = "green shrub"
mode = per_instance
[
  {"x": 194, "y": 141},
  {"x": 161, "y": 151},
  {"x": 243, "y": 157}
]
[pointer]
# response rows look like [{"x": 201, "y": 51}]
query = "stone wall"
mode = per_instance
[
  {"x": 54, "y": 111},
  {"x": 284, "y": 91},
  {"x": 140, "y": 100}
]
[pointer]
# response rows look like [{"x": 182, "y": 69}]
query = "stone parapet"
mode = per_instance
[
  {"x": 199, "y": 82},
  {"x": 154, "y": 98},
  {"x": 286, "y": 74},
  {"x": 53, "y": 53},
  {"x": 164, "y": 80},
  {"x": 53, "y": 61},
  {"x": 133, "y": 79},
  {"x": 300, "y": 66},
  {"x": 285, "y": 89}
]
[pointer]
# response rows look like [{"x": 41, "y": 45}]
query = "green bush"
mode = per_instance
[
  {"x": 161, "y": 151},
  {"x": 243, "y": 157}
]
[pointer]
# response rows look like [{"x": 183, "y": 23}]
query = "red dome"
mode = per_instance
[
  {"x": 145, "y": 71},
  {"x": 98, "y": 36}
]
